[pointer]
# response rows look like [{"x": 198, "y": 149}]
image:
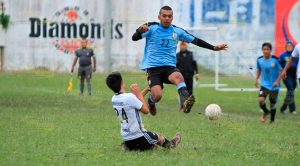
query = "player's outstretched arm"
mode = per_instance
[
  {"x": 145, "y": 91},
  {"x": 201, "y": 43},
  {"x": 138, "y": 33},
  {"x": 136, "y": 91}
]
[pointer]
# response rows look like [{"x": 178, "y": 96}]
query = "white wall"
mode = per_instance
[{"x": 23, "y": 52}]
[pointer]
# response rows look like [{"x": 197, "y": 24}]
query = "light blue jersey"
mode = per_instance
[
  {"x": 161, "y": 45},
  {"x": 270, "y": 70}
]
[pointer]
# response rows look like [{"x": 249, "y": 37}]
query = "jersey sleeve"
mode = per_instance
[
  {"x": 295, "y": 53},
  {"x": 146, "y": 34},
  {"x": 258, "y": 65},
  {"x": 135, "y": 102},
  {"x": 92, "y": 52},
  {"x": 76, "y": 54},
  {"x": 185, "y": 36}
]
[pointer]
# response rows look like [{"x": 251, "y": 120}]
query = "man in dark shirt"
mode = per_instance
[
  {"x": 187, "y": 66},
  {"x": 85, "y": 65},
  {"x": 290, "y": 81}
]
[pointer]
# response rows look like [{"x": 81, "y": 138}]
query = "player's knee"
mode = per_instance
[
  {"x": 160, "y": 138},
  {"x": 156, "y": 96},
  {"x": 261, "y": 100}
]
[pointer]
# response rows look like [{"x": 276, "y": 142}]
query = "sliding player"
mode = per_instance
[{"x": 128, "y": 107}]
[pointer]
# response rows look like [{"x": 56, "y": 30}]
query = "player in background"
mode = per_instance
[
  {"x": 290, "y": 81},
  {"x": 187, "y": 66},
  {"x": 128, "y": 107},
  {"x": 268, "y": 70},
  {"x": 159, "y": 60},
  {"x": 85, "y": 54}
]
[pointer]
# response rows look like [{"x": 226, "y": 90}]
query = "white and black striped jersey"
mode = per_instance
[{"x": 127, "y": 107}]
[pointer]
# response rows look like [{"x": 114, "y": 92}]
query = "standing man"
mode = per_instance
[
  {"x": 187, "y": 66},
  {"x": 159, "y": 60},
  {"x": 268, "y": 69},
  {"x": 85, "y": 69},
  {"x": 295, "y": 55},
  {"x": 290, "y": 81}
]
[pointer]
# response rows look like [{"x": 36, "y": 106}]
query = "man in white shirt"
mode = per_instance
[{"x": 128, "y": 107}]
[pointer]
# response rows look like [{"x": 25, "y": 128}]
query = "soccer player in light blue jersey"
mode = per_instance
[
  {"x": 268, "y": 70},
  {"x": 159, "y": 60}
]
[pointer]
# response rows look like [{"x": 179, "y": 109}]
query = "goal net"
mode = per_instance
[{"x": 231, "y": 70}]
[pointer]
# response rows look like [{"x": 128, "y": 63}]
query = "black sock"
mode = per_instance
[
  {"x": 183, "y": 92},
  {"x": 264, "y": 108},
  {"x": 166, "y": 144},
  {"x": 273, "y": 113},
  {"x": 150, "y": 100}
]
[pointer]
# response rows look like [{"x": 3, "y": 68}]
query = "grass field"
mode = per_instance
[{"x": 41, "y": 125}]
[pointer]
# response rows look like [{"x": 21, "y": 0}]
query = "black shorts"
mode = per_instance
[
  {"x": 85, "y": 71},
  {"x": 146, "y": 142},
  {"x": 273, "y": 95},
  {"x": 159, "y": 75}
]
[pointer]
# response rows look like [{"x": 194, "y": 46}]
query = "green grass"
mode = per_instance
[{"x": 41, "y": 125}]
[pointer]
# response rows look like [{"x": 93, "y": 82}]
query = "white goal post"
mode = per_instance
[{"x": 212, "y": 35}]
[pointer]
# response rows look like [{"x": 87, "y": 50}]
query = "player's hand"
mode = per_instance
[
  {"x": 221, "y": 47},
  {"x": 256, "y": 84},
  {"x": 197, "y": 77},
  {"x": 143, "y": 28},
  {"x": 283, "y": 75},
  {"x": 94, "y": 69},
  {"x": 134, "y": 88},
  {"x": 275, "y": 84},
  {"x": 72, "y": 70}
]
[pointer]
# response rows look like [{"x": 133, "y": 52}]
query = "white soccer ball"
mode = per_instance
[{"x": 213, "y": 111}]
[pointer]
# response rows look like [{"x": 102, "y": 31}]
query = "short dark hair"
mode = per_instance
[
  {"x": 267, "y": 44},
  {"x": 165, "y": 8},
  {"x": 113, "y": 81}
]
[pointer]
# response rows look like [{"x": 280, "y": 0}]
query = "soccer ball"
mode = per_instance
[{"x": 213, "y": 111}]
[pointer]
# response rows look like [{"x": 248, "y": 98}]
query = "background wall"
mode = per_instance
[{"x": 243, "y": 24}]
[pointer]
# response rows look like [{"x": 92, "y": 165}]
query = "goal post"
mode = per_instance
[{"x": 226, "y": 74}]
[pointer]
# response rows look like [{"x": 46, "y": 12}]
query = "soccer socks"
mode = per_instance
[
  {"x": 273, "y": 113},
  {"x": 90, "y": 88},
  {"x": 166, "y": 143},
  {"x": 81, "y": 88},
  {"x": 264, "y": 108},
  {"x": 182, "y": 91}
]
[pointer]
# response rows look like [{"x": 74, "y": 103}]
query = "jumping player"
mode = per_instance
[
  {"x": 268, "y": 69},
  {"x": 128, "y": 107},
  {"x": 85, "y": 65},
  {"x": 159, "y": 60}
]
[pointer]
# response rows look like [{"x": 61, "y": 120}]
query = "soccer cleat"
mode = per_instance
[
  {"x": 188, "y": 104},
  {"x": 175, "y": 140},
  {"x": 152, "y": 107},
  {"x": 294, "y": 112},
  {"x": 264, "y": 118}
]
